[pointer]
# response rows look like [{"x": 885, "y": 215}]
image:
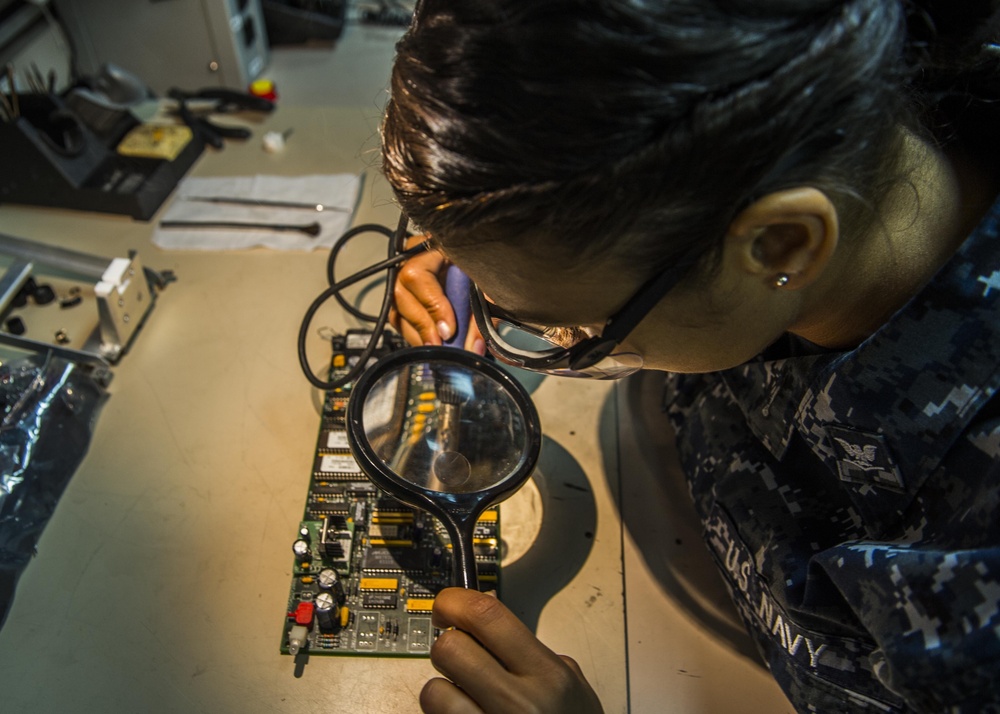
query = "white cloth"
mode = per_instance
[{"x": 332, "y": 190}]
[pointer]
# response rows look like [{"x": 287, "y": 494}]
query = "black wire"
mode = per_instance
[
  {"x": 74, "y": 54},
  {"x": 331, "y": 261},
  {"x": 395, "y": 256}
]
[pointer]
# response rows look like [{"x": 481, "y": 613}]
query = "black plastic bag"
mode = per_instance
[{"x": 48, "y": 409}]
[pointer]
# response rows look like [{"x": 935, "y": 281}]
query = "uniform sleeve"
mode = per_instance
[{"x": 935, "y": 616}]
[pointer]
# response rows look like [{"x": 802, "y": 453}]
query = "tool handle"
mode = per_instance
[
  {"x": 241, "y": 100},
  {"x": 198, "y": 127},
  {"x": 457, "y": 288},
  {"x": 311, "y": 229},
  {"x": 227, "y": 132}
]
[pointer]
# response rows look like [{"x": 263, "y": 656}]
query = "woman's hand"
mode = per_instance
[
  {"x": 494, "y": 664},
  {"x": 421, "y": 311}
]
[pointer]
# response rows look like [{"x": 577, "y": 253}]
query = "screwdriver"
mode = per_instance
[{"x": 265, "y": 202}]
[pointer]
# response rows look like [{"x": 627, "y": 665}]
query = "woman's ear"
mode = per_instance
[{"x": 786, "y": 238}]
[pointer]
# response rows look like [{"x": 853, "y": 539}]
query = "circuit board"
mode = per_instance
[{"x": 366, "y": 567}]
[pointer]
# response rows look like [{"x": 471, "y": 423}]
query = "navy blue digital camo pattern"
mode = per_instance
[{"x": 852, "y": 500}]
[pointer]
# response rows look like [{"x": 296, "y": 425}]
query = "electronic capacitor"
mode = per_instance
[
  {"x": 329, "y": 581},
  {"x": 301, "y": 550},
  {"x": 327, "y": 578},
  {"x": 327, "y": 612}
]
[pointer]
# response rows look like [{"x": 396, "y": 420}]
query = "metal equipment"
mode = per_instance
[{"x": 124, "y": 290}]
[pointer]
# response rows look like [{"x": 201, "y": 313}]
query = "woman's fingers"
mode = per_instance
[
  {"x": 496, "y": 661},
  {"x": 495, "y": 627},
  {"x": 460, "y": 658},
  {"x": 474, "y": 340},
  {"x": 439, "y": 696},
  {"x": 423, "y": 314}
]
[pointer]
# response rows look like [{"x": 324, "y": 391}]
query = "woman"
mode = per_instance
[{"x": 788, "y": 206}]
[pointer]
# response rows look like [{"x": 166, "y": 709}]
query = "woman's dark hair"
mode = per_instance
[{"x": 647, "y": 125}]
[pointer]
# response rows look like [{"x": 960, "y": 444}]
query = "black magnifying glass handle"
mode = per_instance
[{"x": 463, "y": 554}]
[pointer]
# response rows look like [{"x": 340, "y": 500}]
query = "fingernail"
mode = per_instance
[
  {"x": 479, "y": 347},
  {"x": 444, "y": 330}
]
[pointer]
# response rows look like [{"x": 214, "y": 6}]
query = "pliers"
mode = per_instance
[
  {"x": 212, "y": 134},
  {"x": 227, "y": 100}
]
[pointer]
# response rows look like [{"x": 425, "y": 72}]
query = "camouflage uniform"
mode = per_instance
[{"x": 852, "y": 500}]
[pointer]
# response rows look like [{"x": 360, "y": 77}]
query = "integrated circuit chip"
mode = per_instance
[
  {"x": 380, "y": 601},
  {"x": 394, "y": 560}
]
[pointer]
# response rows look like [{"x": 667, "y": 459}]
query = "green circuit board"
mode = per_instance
[{"x": 366, "y": 568}]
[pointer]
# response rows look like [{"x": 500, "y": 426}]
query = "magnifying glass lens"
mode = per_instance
[
  {"x": 447, "y": 431},
  {"x": 444, "y": 427}
]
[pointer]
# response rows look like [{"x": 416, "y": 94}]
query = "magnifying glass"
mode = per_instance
[{"x": 446, "y": 431}]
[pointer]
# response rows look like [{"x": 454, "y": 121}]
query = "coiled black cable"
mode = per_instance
[{"x": 396, "y": 255}]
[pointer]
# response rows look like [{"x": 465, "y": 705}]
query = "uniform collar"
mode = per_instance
[{"x": 884, "y": 415}]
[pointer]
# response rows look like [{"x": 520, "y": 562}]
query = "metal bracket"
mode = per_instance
[
  {"x": 125, "y": 292},
  {"x": 123, "y": 298}
]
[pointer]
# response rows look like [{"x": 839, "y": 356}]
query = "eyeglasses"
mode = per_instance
[
  {"x": 576, "y": 351},
  {"x": 561, "y": 351}
]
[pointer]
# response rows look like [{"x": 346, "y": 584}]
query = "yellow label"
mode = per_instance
[{"x": 155, "y": 141}]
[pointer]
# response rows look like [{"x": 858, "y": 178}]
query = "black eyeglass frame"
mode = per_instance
[{"x": 589, "y": 352}]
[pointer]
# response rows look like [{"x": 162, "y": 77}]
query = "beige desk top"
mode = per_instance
[{"x": 161, "y": 581}]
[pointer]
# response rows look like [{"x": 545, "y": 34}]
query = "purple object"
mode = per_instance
[{"x": 456, "y": 288}]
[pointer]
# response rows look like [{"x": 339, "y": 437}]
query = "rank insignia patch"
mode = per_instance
[{"x": 864, "y": 458}]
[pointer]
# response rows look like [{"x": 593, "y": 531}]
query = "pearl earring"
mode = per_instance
[{"x": 781, "y": 281}]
